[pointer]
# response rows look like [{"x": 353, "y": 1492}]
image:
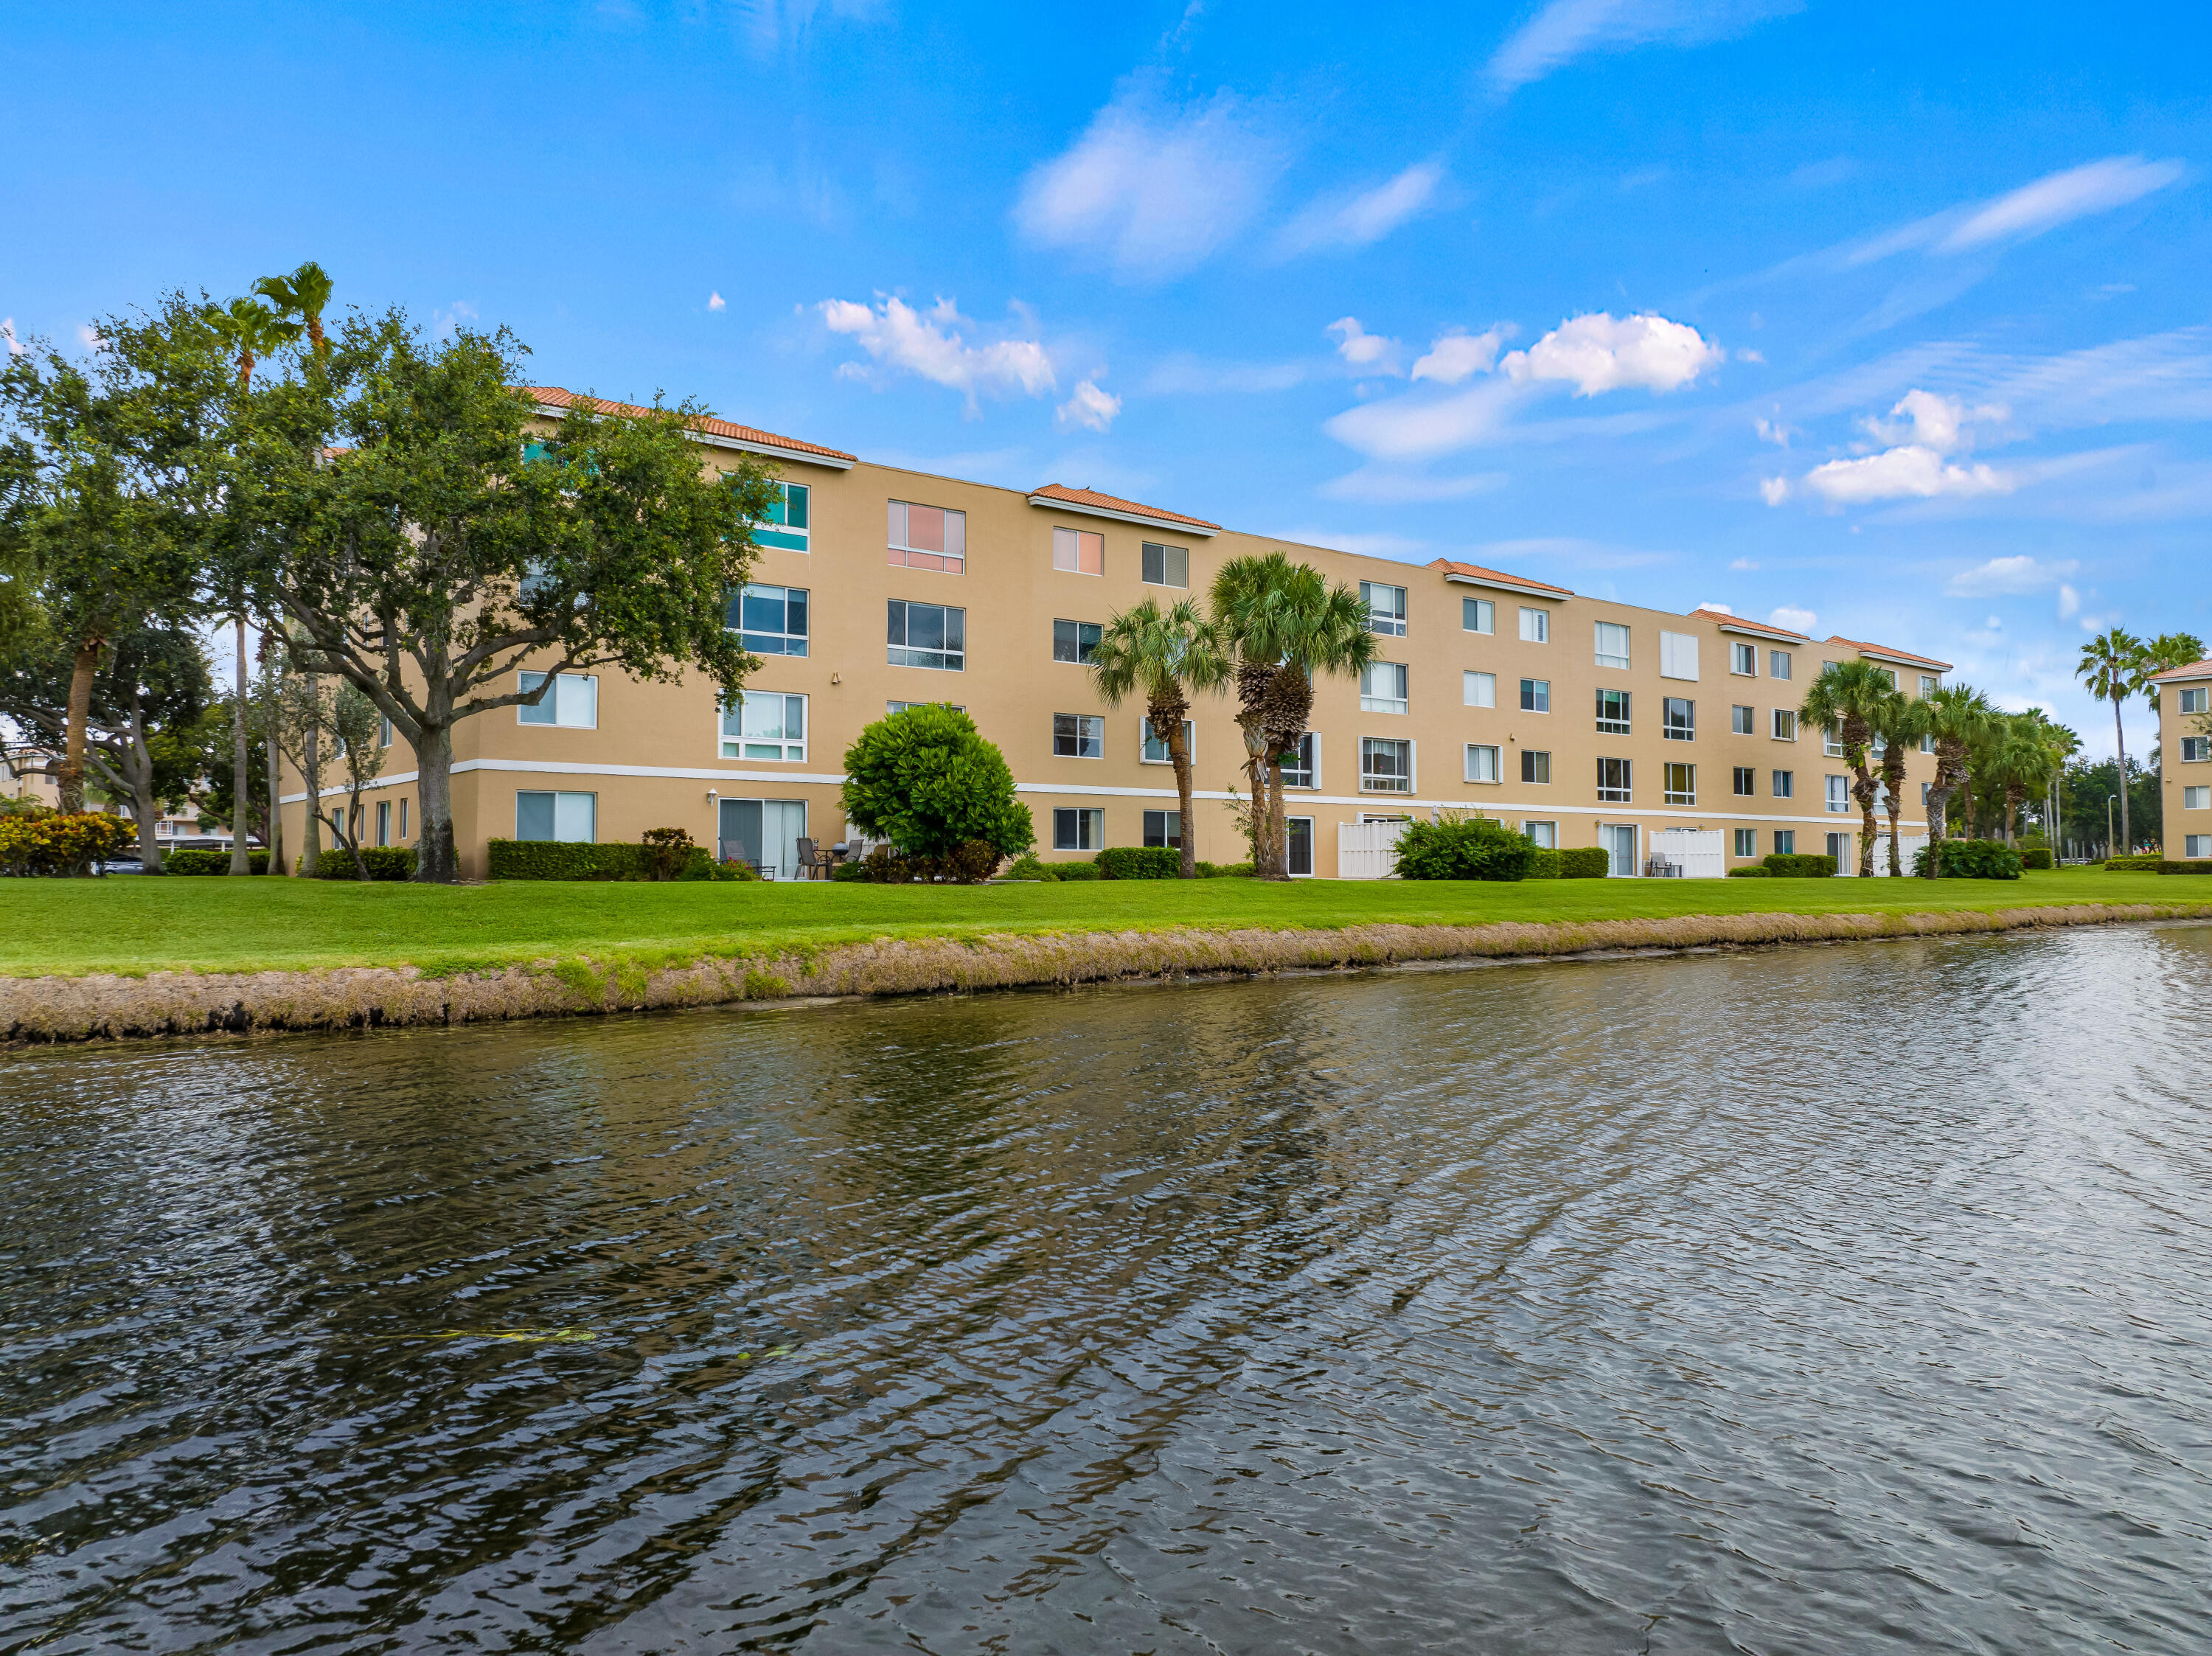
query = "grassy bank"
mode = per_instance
[{"x": 131, "y": 926}]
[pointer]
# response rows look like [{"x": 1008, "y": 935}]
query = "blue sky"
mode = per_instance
[{"x": 1893, "y": 318}]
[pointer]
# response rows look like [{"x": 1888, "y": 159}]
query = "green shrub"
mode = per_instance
[
  {"x": 1028, "y": 868},
  {"x": 1074, "y": 871},
  {"x": 1456, "y": 847},
  {"x": 197, "y": 862},
  {"x": 663, "y": 853},
  {"x": 1584, "y": 863},
  {"x": 1796, "y": 865},
  {"x": 385, "y": 863},
  {"x": 1139, "y": 863},
  {"x": 927, "y": 782},
  {"x": 2035, "y": 856},
  {"x": 1969, "y": 859},
  {"x": 1223, "y": 870},
  {"x": 2192, "y": 865},
  {"x": 560, "y": 859},
  {"x": 2133, "y": 865},
  {"x": 1544, "y": 865},
  {"x": 1750, "y": 871}
]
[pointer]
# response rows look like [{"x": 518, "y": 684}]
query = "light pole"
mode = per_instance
[{"x": 2108, "y": 822}]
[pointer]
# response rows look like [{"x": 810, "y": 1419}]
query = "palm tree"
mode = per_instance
[
  {"x": 1162, "y": 655},
  {"x": 2022, "y": 763},
  {"x": 1904, "y": 722},
  {"x": 2111, "y": 665},
  {"x": 1958, "y": 717},
  {"x": 300, "y": 298},
  {"x": 1283, "y": 623},
  {"x": 2166, "y": 652},
  {"x": 1847, "y": 701}
]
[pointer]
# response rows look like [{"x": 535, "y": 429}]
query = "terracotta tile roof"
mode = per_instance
[
  {"x": 1884, "y": 650},
  {"x": 1476, "y": 572},
  {"x": 555, "y": 396},
  {"x": 1745, "y": 622},
  {"x": 2198, "y": 670},
  {"x": 1097, "y": 502}
]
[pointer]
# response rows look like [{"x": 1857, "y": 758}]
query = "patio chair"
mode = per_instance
[{"x": 813, "y": 863}]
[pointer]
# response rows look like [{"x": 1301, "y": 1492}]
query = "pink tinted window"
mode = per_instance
[
  {"x": 925, "y": 528},
  {"x": 1079, "y": 551},
  {"x": 928, "y": 537}
]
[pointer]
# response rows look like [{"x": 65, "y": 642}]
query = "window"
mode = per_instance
[
  {"x": 1785, "y": 842},
  {"x": 1546, "y": 834},
  {"x": 1889, "y": 673},
  {"x": 403, "y": 821},
  {"x": 1743, "y": 660},
  {"x": 1840, "y": 793},
  {"x": 1678, "y": 719},
  {"x": 1535, "y": 695},
  {"x": 557, "y": 816},
  {"x": 1155, "y": 751},
  {"x": 928, "y": 537},
  {"x": 1164, "y": 827},
  {"x": 901, "y": 707},
  {"x": 1383, "y": 688},
  {"x": 1612, "y": 712},
  {"x": 2197, "y": 798},
  {"x": 383, "y": 732},
  {"x": 1078, "y": 830},
  {"x": 1303, "y": 771},
  {"x": 1297, "y": 834},
  {"x": 1678, "y": 655},
  {"x": 1479, "y": 689},
  {"x": 1386, "y": 767},
  {"x": 1778, "y": 664},
  {"x": 1927, "y": 744},
  {"x": 1746, "y": 782},
  {"x": 1386, "y": 608},
  {"x": 1743, "y": 721},
  {"x": 2193, "y": 701},
  {"x": 1785, "y": 784},
  {"x": 1930, "y": 684},
  {"x": 1080, "y": 551},
  {"x": 771, "y": 621},
  {"x": 1747, "y": 842},
  {"x": 1611, "y": 645},
  {"x": 763, "y": 725},
  {"x": 1832, "y": 745},
  {"x": 2196, "y": 749},
  {"x": 1785, "y": 724},
  {"x": 1681, "y": 785},
  {"x": 1840, "y": 847},
  {"x": 2196, "y": 845},
  {"x": 1481, "y": 763},
  {"x": 928, "y": 635},
  {"x": 1535, "y": 626},
  {"x": 786, "y": 523},
  {"x": 1535, "y": 766},
  {"x": 1165, "y": 565},
  {"x": 1613, "y": 781},
  {"x": 1477, "y": 616},
  {"x": 573, "y": 703},
  {"x": 1078, "y": 735},
  {"x": 384, "y": 822},
  {"x": 1076, "y": 641}
]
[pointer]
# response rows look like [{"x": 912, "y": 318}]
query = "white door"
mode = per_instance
[
  {"x": 1367, "y": 851},
  {"x": 1698, "y": 852},
  {"x": 1619, "y": 840}
]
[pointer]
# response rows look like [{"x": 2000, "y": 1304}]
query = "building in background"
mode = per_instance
[{"x": 2184, "y": 758}]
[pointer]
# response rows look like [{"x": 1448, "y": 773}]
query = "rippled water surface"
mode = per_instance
[{"x": 1846, "y": 1299}]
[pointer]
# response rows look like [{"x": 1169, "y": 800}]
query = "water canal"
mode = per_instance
[{"x": 1828, "y": 1299}]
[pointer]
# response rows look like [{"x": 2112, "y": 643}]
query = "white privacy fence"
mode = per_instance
[
  {"x": 1908, "y": 847},
  {"x": 1688, "y": 855},
  {"x": 1367, "y": 851}
]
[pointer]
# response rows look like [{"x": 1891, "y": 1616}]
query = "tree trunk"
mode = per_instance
[
  {"x": 2120, "y": 741},
  {"x": 436, "y": 861},
  {"x": 81, "y": 671},
  {"x": 1179, "y": 751},
  {"x": 143, "y": 805},
  {"x": 241, "y": 760},
  {"x": 276, "y": 810},
  {"x": 1896, "y": 862},
  {"x": 1278, "y": 850},
  {"x": 1255, "y": 759},
  {"x": 311, "y": 756}
]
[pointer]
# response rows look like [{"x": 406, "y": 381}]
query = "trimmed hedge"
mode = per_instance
[
  {"x": 1545, "y": 866},
  {"x": 2193, "y": 865},
  {"x": 1467, "y": 849},
  {"x": 573, "y": 859},
  {"x": 1750, "y": 871},
  {"x": 2134, "y": 864},
  {"x": 1585, "y": 863},
  {"x": 1791, "y": 865},
  {"x": 1139, "y": 863},
  {"x": 2035, "y": 856},
  {"x": 1074, "y": 871},
  {"x": 1969, "y": 859},
  {"x": 385, "y": 863},
  {"x": 189, "y": 861}
]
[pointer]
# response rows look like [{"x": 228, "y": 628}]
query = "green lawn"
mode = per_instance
[{"x": 130, "y": 923}]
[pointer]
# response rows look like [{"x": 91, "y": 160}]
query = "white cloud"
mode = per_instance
[
  {"x": 1410, "y": 428},
  {"x": 1746, "y": 355},
  {"x": 1600, "y": 352},
  {"x": 1155, "y": 189},
  {"x": 1909, "y": 472},
  {"x": 899, "y": 338},
  {"x": 1373, "y": 486},
  {"x": 1359, "y": 348},
  {"x": 714, "y": 302},
  {"x": 1453, "y": 356},
  {"x": 1567, "y": 29},
  {"x": 2009, "y": 575},
  {"x": 1932, "y": 422},
  {"x": 16, "y": 347},
  {"x": 2069, "y": 603},
  {"x": 2061, "y": 198},
  {"x": 1994, "y": 624},
  {"x": 1792, "y": 618},
  {"x": 1774, "y": 490},
  {"x": 1771, "y": 431},
  {"x": 1089, "y": 407},
  {"x": 1718, "y": 608},
  {"x": 1184, "y": 374},
  {"x": 90, "y": 335},
  {"x": 1363, "y": 219},
  {"x": 1743, "y": 563}
]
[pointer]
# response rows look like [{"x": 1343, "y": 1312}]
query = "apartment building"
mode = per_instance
[
  {"x": 2184, "y": 757},
  {"x": 1588, "y": 721}
]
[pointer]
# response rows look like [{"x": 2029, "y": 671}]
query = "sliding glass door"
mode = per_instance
[{"x": 764, "y": 831}]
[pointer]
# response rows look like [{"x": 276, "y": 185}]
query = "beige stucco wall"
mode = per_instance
[{"x": 2177, "y": 778}]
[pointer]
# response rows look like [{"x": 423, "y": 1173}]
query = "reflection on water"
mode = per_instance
[{"x": 1832, "y": 1299}]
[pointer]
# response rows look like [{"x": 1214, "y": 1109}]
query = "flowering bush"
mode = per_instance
[{"x": 59, "y": 844}]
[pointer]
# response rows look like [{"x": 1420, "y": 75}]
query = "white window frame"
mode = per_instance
[
  {"x": 1546, "y": 834},
  {"x": 1536, "y": 625},
  {"x": 1742, "y": 720},
  {"x": 1837, "y": 795},
  {"x": 1089, "y": 736},
  {"x": 746, "y": 636},
  {"x": 1610, "y": 631},
  {"x": 1778, "y": 664},
  {"x": 1483, "y": 612},
  {"x": 2197, "y": 798},
  {"x": 1737, "y": 773},
  {"x": 586, "y": 702},
  {"x": 2196, "y": 749},
  {"x": 1782, "y": 784},
  {"x": 1930, "y": 683},
  {"x": 1535, "y": 695},
  {"x": 1068, "y": 546},
  {"x": 1407, "y": 783},
  {"x": 1624, "y": 792},
  {"x": 1746, "y": 843},
  {"x": 1678, "y": 656},
  {"x": 2194, "y": 698},
  {"x": 1310, "y": 742},
  {"x": 1371, "y": 701},
  {"x": 789, "y": 750},
  {"x": 1743, "y": 659},
  {"x": 1785, "y": 727},
  {"x": 1088, "y": 820},
  {"x": 947, "y": 560},
  {"x": 1668, "y": 792},
  {"x": 1477, "y": 689},
  {"x": 1477, "y": 763},
  {"x": 2196, "y": 845},
  {"x": 1172, "y": 559},
  {"x": 1144, "y": 824},
  {"x": 565, "y": 802},
  {"x": 1384, "y": 623},
  {"x": 1785, "y": 842},
  {"x": 948, "y": 666},
  {"x": 1146, "y": 741},
  {"x": 1529, "y": 756},
  {"x": 1670, "y": 731},
  {"x": 780, "y": 533},
  {"x": 1079, "y": 659}
]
